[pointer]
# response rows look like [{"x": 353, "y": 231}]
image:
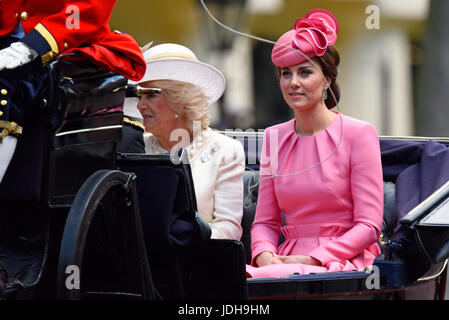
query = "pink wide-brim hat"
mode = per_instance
[{"x": 311, "y": 35}]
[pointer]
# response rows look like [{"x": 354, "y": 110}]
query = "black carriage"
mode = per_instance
[
  {"x": 70, "y": 147},
  {"x": 107, "y": 225},
  {"x": 78, "y": 234}
]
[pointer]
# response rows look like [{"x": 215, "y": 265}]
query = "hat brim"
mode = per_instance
[{"x": 205, "y": 76}]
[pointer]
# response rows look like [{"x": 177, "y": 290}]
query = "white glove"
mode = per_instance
[
  {"x": 16, "y": 55},
  {"x": 7, "y": 148}
]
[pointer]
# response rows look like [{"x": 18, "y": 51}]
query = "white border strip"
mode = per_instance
[{"x": 88, "y": 130}]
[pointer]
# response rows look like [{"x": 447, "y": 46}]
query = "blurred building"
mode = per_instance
[{"x": 379, "y": 42}]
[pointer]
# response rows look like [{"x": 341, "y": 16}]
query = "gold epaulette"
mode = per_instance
[
  {"x": 135, "y": 124},
  {"x": 52, "y": 43}
]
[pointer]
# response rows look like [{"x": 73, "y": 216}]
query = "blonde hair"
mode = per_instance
[{"x": 186, "y": 99}]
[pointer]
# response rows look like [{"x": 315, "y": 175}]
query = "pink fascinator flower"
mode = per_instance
[{"x": 311, "y": 35}]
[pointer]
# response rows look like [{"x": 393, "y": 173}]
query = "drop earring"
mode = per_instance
[
  {"x": 176, "y": 116},
  {"x": 325, "y": 94}
]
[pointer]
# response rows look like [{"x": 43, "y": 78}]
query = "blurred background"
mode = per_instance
[{"x": 394, "y": 70}]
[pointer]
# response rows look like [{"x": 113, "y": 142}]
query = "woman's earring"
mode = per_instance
[
  {"x": 176, "y": 116},
  {"x": 325, "y": 94}
]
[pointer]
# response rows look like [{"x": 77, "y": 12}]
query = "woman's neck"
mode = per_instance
[
  {"x": 183, "y": 139},
  {"x": 311, "y": 121}
]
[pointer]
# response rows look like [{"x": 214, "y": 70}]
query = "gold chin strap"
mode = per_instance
[{"x": 9, "y": 128}]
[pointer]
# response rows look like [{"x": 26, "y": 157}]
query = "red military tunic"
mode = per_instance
[
  {"x": 49, "y": 25},
  {"x": 52, "y": 28},
  {"x": 64, "y": 26}
]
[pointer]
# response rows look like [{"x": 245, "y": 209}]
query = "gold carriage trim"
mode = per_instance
[
  {"x": 9, "y": 128},
  {"x": 135, "y": 124}
]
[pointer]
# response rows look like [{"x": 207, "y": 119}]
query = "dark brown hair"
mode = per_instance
[{"x": 329, "y": 65}]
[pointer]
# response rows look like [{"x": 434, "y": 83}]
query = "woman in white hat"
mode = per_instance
[{"x": 178, "y": 117}]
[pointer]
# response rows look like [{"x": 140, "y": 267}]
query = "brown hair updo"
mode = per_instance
[{"x": 329, "y": 64}]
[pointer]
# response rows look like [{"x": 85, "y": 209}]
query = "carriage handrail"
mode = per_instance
[{"x": 426, "y": 206}]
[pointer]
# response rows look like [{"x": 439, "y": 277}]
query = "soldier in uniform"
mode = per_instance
[{"x": 32, "y": 34}]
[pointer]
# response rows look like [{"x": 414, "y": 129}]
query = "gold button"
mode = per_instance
[
  {"x": 1, "y": 113},
  {"x": 66, "y": 45},
  {"x": 16, "y": 15},
  {"x": 4, "y": 92},
  {"x": 4, "y": 102},
  {"x": 24, "y": 16}
]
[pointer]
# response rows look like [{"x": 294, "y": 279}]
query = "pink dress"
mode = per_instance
[{"x": 333, "y": 212}]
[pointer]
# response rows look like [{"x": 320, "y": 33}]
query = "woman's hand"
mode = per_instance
[
  {"x": 300, "y": 259},
  {"x": 266, "y": 258}
]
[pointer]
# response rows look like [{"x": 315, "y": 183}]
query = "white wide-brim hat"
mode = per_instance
[{"x": 171, "y": 61}]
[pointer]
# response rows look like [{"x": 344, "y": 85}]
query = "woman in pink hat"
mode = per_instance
[{"x": 322, "y": 168}]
